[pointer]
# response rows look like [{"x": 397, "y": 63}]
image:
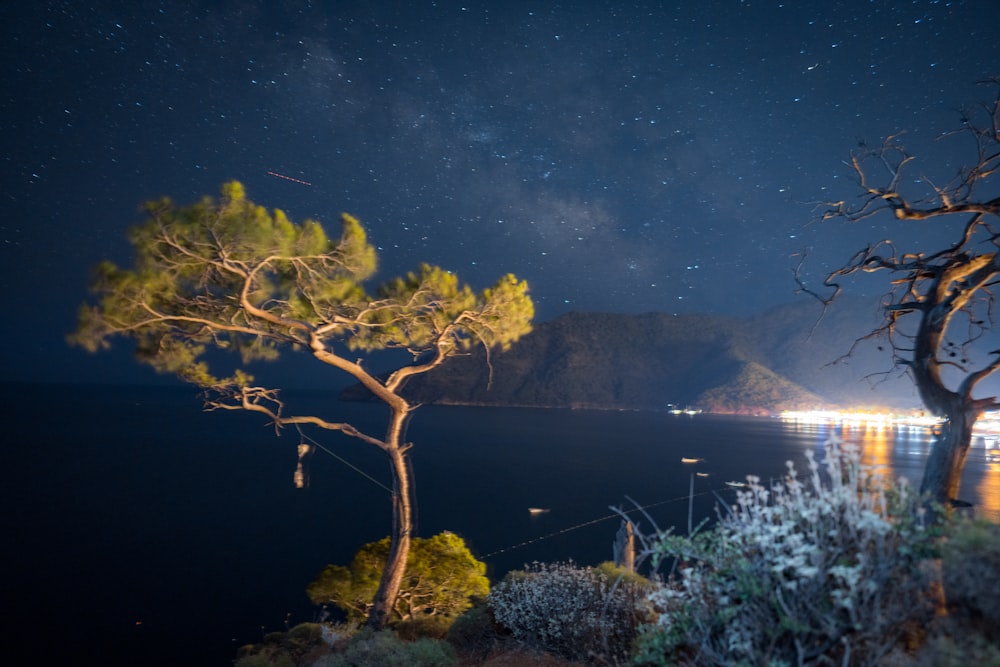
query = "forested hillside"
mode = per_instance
[{"x": 782, "y": 359}]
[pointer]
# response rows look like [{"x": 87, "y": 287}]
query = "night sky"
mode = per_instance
[{"x": 660, "y": 157}]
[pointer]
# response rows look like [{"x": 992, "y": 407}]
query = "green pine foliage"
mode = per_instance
[
  {"x": 228, "y": 274},
  {"x": 441, "y": 579}
]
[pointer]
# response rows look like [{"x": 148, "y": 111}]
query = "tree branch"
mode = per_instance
[{"x": 256, "y": 399}]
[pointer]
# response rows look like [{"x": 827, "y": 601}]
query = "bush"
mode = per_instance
[
  {"x": 265, "y": 658},
  {"x": 525, "y": 658},
  {"x": 823, "y": 572},
  {"x": 572, "y": 611},
  {"x": 970, "y": 570},
  {"x": 475, "y": 633},
  {"x": 956, "y": 646},
  {"x": 430, "y": 627},
  {"x": 282, "y": 649},
  {"x": 617, "y": 574},
  {"x": 385, "y": 649},
  {"x": 441, "y": 579}
]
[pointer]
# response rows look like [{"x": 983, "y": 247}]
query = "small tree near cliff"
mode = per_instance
[
  {"x": 939, "y": 313},
  {"x": 226, "y": 274},
  {"x": 440, "y": 579}
]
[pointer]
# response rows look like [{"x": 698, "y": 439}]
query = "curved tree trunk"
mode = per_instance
[
  {"x": 402, "y": 522},
  {"x": 943, "y": 471}
]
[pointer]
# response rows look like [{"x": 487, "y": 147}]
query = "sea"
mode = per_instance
[{"x": 141, "y": 530}]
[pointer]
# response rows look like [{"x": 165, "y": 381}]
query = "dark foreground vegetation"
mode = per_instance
[{"x": 834, "y": 565}]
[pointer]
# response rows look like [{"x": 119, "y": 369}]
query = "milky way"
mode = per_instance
[{"x": 655, "y": 158}]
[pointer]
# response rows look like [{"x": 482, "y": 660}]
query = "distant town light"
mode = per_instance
[{"x": 851, "y": 417}]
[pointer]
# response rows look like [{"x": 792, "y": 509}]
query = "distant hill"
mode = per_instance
[{"x": 781, "y": 359}]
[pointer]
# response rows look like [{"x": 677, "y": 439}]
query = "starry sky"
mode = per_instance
[{"x": 666, "y": 156}]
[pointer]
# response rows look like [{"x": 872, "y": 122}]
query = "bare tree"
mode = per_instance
[{"x": 939, "y": 313}]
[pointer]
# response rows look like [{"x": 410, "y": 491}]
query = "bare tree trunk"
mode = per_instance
[
  {"x": 402, "y": 524},
  {"x": 943, "y": 471}
]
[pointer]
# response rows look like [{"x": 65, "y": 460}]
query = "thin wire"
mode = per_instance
[
  {"x": 589, "y": 523},
  {"x": 525, "y": 543},
  {"x": 342, "y": 460}
]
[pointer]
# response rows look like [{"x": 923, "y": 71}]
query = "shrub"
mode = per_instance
[
  {"x": 801, "y": 573},
  {"x": 385, "y": 649},
  {"x": 575, "y": 612},
  {"x": 617, "y": 574},
  {"x": 431, "y": 627},
  {"x": 441, "y": 579},
  {"x": 282, "y": 649},
  {"x": 475, "y": 633},
  {"x": 526, "y": 658},
  {"x": 958, "y": 647},
  {"x": 265, "y": 658},
  {"x": 970, "y": 569}
]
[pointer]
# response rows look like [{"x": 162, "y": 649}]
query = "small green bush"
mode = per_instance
[
  {"x": 282, "y": 649},
  {"x": 442, "y": 578},
  {"x": 616, "y": 573},
  {"x": 305, "y": 633}
]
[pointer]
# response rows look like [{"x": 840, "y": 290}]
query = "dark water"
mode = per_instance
[{"x": 144, "y": 531}]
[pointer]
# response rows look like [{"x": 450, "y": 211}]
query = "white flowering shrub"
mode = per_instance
[
  {"x": 578, "y": 612},
  {"x": 821, "y": 571}
]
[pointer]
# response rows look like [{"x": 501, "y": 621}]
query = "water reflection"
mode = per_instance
[
  {"x": 988, "y": 488},
  {"x": 901, "y": 450}
]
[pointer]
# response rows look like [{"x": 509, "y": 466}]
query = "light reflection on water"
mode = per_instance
[
  {"x": 988, "y": 490},
  {"x": 902, "y": 451}
]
